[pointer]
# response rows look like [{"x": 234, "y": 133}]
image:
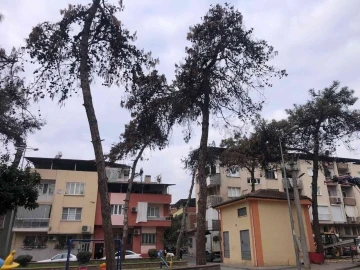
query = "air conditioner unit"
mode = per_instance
[
  {"x": 52, "y": 238},
  {"x": 338, "y": 200},
  {"x": 85, "y": 229},
  {"x": 136, "y": 231},
  {"x": 133, "y": 209}
]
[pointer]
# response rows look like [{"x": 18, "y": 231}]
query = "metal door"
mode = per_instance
[{"x": 245, "y": 245}]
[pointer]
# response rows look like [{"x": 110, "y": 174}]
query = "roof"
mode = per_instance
[
  {"x": 182, "y": 202},
  {"x": 69, "y": 164},
  {"x": 263, "y": 194}
]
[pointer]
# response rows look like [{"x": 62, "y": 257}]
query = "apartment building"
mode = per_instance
[
  {"x": 149, "y": 215},
  {"x": 69, "y": 208},
  {"x": 67, "y": 205},
  {"x": 338, "y": 193}
]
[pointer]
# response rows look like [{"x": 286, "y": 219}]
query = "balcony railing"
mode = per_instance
[
  {"x": 214, "y": 200},
  {"x": 290, "y": 183},
  {"x": 157, "y": 218},
  {"x": 31, "y": 223},
  {"x": 213, "y": 180},
  {"x": 349, "y": 201},
  {"x": 214, "y": 226}
]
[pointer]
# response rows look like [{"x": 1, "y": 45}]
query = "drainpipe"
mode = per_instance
[
  {"x": 220, "y": 238},
  {"x": 253, "y": 232}
]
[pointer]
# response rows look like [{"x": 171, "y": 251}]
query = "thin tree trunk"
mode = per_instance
[
  {"x": 95, "y": 136},
  {"x": 200, "y": 218},
  {"x": 127, "y": 199},
  {"x": 19, "y": 152},
  {"x": 182, "y": 228},
  {"x": 252, "y": 175},
  {"x": 314, "y": 185}
]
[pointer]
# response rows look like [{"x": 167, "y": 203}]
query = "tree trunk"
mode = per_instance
[
  {"x": 127, "y": 199},
  {"x": 252, "y": 175},
  {"x": 96, "y": 140},
  {"x": 182, "y": 228},
  {"x": 201, "y": 215},
  {"x": 314, "y": 185},
  {"x": 19, "y": 152}
]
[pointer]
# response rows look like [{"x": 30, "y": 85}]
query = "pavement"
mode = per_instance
[{"x": 341, "y": 265}]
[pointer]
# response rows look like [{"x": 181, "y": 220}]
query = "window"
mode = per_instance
[
  {"x": 71, "y": 214},
  {"x": 318, "y": 190},
  {"x": 38, "y": 241},
  {"x": 347, "y": 230},
  {"x": 310, "y": 171},
  {"x": 337, "y": 213},
  {"x": 270, "y": 174},
  {"x": 73, "y": 188},
  {"x": 148, "y": 238},
  {"x": 46, "y": 189},
  {"x": 117, "y": 209},
  {"x": 233, "y": 192},
  {"x": 226, "y": 245},
  {"x": 242, "y": 212},
  {"x": 256, "y": 180},
  {"x": 233, "y": 172},
  {"x": 2, "y": 222},
  {"x": 153, "y": 211},
  {"x": 323, "y": 212},
  {"x": 354, "y": 231}
]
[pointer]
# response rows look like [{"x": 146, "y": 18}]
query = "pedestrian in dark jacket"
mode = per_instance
[{"x": 181, "y": 253}]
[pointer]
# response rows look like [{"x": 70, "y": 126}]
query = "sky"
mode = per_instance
[{"x": 317, "y": 41}]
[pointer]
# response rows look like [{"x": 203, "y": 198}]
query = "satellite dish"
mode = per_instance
[{"x": 58, "y": 155}]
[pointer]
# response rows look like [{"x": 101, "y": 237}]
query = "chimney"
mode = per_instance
[{"x": 147, "y": 179}]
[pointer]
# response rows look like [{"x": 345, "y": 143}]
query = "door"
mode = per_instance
[
  {"x": 99, "y": 251},
  {"x": 226, "y": 245},
  {"x": 245, "y": 245}
]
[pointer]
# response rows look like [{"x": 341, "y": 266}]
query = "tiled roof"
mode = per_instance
[{"x": 263, "y": 194}]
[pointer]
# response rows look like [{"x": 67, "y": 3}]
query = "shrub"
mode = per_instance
[
  {"x": 152, "y": 253},
  {"x": 83, "y": 257},
  {"x": 23, "y": 260}
]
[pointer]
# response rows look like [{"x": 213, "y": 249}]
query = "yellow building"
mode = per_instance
[
  {"x": 256, "y": 229},
  {"x": 67, "y": 206}
]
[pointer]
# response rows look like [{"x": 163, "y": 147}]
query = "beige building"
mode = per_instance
[
  {"x": 338, "y": 201},
  {"x": 67, "y": 199}
]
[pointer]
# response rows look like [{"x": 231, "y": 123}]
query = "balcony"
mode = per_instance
[
  {"x": 214, "y": 200},
  {"x": 334, "y": 200},
  {"x": 349, "y": 201},
  {"x": 214, "y": 225},
  {"x": 213, "y": 180},
  {"x": 290, "y": 183},
  {"x": 158, "y": 218},
  {"x": 31, "y": 224}
]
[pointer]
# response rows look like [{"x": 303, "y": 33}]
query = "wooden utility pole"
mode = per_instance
[{"x": 299, "y": 212}]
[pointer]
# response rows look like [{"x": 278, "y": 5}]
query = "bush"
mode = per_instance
[
  {"x": 153, "y": 254},
  {"x": 83, "y": 257},
  {"x": 23, "y": 260}
]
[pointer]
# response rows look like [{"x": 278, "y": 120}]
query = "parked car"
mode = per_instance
[
  {"x": 60, "y": 258},
  {"x": 128, "y": 255}
]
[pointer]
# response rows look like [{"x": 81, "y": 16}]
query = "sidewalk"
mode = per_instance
[{"x": 325, "y": 266}]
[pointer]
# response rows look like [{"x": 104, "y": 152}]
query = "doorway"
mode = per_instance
[
  {"x": 99, "y": 251},
  {"x": 245, "y": 245}
]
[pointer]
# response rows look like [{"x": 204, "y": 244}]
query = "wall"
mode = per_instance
[
  {"x": 278, "y": 230},
  {"x": 87, "y": 201},
  {"x": 3, "y": 236},
  {"x": 233, "y": 224}
]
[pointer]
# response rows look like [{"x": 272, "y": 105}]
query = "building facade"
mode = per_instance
[
  {"x": 69, "y": 208},
  {"x": 338, "y": 193}
]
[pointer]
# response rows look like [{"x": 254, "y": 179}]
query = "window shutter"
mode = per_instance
[{"x": 337, "y": 213}]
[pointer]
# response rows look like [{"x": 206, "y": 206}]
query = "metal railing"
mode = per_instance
[
  {"x": 156, "y": 218},
  {"x": 31, "y": 222}
]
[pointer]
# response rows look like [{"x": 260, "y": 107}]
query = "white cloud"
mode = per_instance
[{"x": 318, "y": 41}]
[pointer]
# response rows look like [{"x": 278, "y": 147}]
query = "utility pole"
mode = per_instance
[{"x": 299, "y": 212}]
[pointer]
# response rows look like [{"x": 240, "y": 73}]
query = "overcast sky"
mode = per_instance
[{"x": 317, "y": 41}]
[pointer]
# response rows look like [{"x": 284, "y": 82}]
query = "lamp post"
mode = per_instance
[
  {"x": 12, "y": 217},
  {"x": 298, "y": 263}
]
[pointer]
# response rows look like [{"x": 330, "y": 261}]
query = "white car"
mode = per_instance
[
  {"x": 60, "y": 258},
  {"x": 128, "y": 255}
]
